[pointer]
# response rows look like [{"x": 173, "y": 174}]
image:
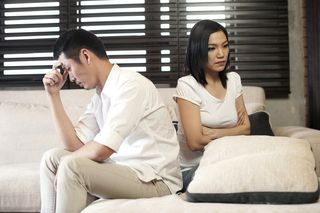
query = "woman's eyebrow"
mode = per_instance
[{"x": 214, "y": 44}]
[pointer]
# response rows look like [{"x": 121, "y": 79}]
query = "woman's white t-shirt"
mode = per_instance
[{"x": 214, "y": 112}]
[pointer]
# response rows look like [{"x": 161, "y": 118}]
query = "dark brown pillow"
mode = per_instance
[{"x": 260, "y": 124}]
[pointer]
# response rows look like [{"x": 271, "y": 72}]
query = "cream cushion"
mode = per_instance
[
  {"x": 23, "y": 131},
  {"x": 255, "y": 169},
  {"x": 19, "y": 184}
]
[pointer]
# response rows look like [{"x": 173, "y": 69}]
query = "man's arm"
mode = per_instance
[
  {"x": 94, "y": 151},
  {"x": 53, "y": 82}
]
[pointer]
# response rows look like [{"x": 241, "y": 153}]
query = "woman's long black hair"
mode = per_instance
[{"x": 197, "y": 51}]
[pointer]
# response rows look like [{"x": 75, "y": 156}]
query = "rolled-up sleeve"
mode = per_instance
[
  {"x": 126, "y": 109},
  {"x": 87, "y": 126}
]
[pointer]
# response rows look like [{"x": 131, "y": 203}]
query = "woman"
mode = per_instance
[{"x": 209, "y": 99}]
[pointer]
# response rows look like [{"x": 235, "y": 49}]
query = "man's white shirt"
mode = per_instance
[{"x": 130, "y": 117}]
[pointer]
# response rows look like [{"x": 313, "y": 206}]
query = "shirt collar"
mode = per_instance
[{"x": 111, "y": 80}]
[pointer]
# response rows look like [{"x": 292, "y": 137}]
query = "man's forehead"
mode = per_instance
[{"x": 63, "y": 60}]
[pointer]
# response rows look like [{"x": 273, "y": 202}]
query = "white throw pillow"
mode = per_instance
[{"x": 255, "y": 169}]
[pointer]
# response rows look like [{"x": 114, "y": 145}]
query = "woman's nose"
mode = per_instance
[{"x": 220, "y": 52}]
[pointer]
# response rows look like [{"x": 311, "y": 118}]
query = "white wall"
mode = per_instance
[{"x": 291, "y": 111}]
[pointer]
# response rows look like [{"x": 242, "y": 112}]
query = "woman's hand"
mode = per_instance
[
  {"x": 241, "y": 117},
  {"x": 211, "y": 132}
]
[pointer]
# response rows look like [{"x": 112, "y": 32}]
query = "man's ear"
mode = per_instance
[{"x": 85, "y": 56}]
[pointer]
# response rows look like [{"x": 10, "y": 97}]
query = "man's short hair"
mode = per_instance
[{"x": 71, "y": 42}]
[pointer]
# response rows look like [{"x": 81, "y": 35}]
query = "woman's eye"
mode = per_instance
[
  {"x": 211, "y": 48},
  {"x": 226, "y": 45}
]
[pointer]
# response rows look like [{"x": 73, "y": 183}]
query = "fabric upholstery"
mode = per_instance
[
  {"x": 26, "y": 126},
  {"x": 19, "y": 187},
  {"x": 311, "y": 135},
  {"x": 175, "y": 203},
  {"x": 254, "y": 99},
  {"x": 255, "y": 169},
  {"x": 20, "y": 153}
]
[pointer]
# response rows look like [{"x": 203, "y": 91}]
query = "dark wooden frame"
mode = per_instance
[{"x": 313, "y": 35}]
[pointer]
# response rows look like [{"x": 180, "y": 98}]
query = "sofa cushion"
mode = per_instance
[
  {"x": 19, "y": 188},
  {"x": 26, "y": 125},
  {"x": 255, "y": 169},
  {"x": 260, "y": 124},
  {"x": 26, "y": 130},
  {"x": 308, "y": 134},
  {"x": 254, "y": 99},
  {"x": 174, "y": 203}
]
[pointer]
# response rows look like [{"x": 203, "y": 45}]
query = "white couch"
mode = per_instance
[{"x": 27, "y": 130}]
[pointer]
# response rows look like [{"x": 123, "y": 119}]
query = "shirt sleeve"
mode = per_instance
[
  {"x": 125, "y": 111},
  {"x": 87, "y": 126},
  {"x": 237, "y": 82},
  {"x": 187, "y": 90}
]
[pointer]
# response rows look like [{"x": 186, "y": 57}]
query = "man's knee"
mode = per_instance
[
  {"x": 52, "y": 157},
  {"x": 70, "y": 169}
]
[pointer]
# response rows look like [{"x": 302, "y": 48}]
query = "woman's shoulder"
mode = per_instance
[
  {"x": 233, "y": 75},
  {"x": 188, "y": 88},
  {"x": 188, "y": 80}
]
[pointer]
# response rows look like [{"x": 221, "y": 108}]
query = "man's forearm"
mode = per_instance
[
  {"x": 94, "y": 151},
  {"x": 63, "y": 124}
]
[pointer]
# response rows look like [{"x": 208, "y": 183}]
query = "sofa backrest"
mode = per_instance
[
  {"x": 27, "y": 129},
  {"x": 26, "y": 125}
]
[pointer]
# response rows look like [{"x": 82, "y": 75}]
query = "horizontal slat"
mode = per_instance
[{"x": 258, "y": 34}]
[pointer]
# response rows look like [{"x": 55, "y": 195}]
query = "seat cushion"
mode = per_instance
[
  {"x": 19, "y": 188},
  {"x": 175, "y": 203},
  {"x": 255, "y": 169}
]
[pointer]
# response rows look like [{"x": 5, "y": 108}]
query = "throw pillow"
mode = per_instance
[
  {"x": 255, "y": 169},
  {"x": 260, "y": 124}
]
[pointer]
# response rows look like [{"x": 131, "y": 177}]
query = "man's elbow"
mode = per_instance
[{"x": 102, "y": 153}]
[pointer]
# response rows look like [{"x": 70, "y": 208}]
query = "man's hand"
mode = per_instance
[{"x": 53, "y": 81}]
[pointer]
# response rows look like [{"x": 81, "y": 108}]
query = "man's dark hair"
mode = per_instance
[
  {"x": 197, "y": 51},
  {"x": 71, "y": 42}
]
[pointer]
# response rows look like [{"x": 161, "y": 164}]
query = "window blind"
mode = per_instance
[{"x": 149, "y": 36}]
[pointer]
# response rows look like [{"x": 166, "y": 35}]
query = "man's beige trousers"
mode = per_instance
[{"x": 80, "y": 180}]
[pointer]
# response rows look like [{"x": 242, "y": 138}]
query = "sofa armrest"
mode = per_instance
[{"x": 311, "y": 135}]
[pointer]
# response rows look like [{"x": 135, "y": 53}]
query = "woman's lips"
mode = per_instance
[{"x": 220, "y": 62}]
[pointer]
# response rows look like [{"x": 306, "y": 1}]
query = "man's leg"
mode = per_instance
[
  {"x": 79, "y": 176},
  {"x": 48, "y": 169}
]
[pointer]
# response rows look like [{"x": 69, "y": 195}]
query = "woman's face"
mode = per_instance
[{"x": 218, "y": 51}]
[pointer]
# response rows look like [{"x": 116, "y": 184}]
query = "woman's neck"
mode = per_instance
[{"x": 212, "y": 77}]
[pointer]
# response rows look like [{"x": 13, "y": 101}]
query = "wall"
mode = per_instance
[{"x": 292, "y": 111}]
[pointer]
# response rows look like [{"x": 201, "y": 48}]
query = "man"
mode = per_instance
[{"x": 124, "y": 145}]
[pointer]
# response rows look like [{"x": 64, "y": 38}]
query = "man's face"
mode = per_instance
[{"x": 78, "y": 72}]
